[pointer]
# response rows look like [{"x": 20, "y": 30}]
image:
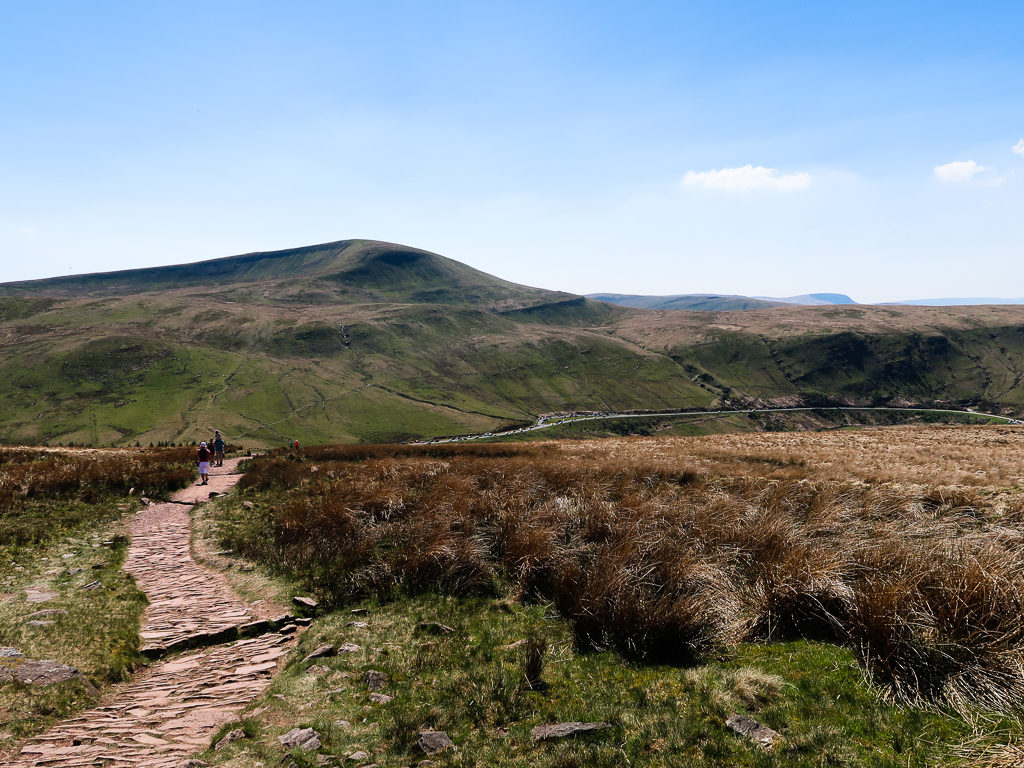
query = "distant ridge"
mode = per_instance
[
  {"x": 718, "y": 302},
  {"x": 692, "y": 301},
  {"x": 960, "y": 302},
  {"x": 367, "y": 270}
]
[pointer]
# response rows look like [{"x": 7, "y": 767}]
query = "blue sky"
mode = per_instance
[{"x": 643, "y": 147}]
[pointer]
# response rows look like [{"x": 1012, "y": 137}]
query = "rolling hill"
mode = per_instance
[{"x": 367, "y": 341}]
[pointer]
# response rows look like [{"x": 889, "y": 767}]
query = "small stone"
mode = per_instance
[
  {"x": 92, "y": 585},
  {"x": 305, "y": 602},
  {"x": 357, "y": 624},
  {"x": 359, "y": 611},
  {"x": 320, "y": 652},
  {"x": 381, "y": 698},
  {"x": 761, "y": 735},
  {"x": 359, "y": 755},
  {"x": 73, "y": 571},
  {"x": 38, "y": 623},
  {"x": 248, "y": 504},
  {"x": 145, "y": 501},
  {"x": 11, "y": 653},
  {"x": 317, "y": 669},
  {"x": 342, "y": 724},
  {"x": 375, "y": 680},
  {"x": 563, "y": 730},
  {"x": 236, "y": 735},
  {"x": 434, "y": 742},
  {"x": 435, "y": 628},
  {"x": 516, "y": 644},
  {"x": 287, "y": 629},
  {"x": 348, "y": 648},
  {"x": 194, "y": 764},
  {"x": 302, "y": 621},
  {"x": 305, "y": 739}
]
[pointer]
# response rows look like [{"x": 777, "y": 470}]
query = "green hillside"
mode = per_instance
[{"x": 365, "y": 341}]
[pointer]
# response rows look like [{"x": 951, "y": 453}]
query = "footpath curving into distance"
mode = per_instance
[{"x": 173, "y": 708}]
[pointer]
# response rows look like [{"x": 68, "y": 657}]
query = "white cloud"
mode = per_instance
[
  {"x": 747, "y": 177},
  {"x": 959, "y": 171},
  {"x": 1018, "y": 148}
]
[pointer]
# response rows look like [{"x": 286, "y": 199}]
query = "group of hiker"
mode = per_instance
[
  {"x": 207, "y": 453},
  {"x": 212, "y": 454}
]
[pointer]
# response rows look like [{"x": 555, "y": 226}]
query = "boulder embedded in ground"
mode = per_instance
[
  {"x": 564, "y": 730},
  {"x": 348, "y": 648},
  {"x": 375, "y": 680},
  {"x": 753, "y": 730},
  {"x": 359, "y": 756},
  {"x": 305, "y": 602},
  {"x": 320, "y": 652},
  {"x": 434, "y": 742},
  {"x": 305, "y": 739},
  {"x": 11, "y": 653},
  {"x": 381, "y": 698},
  {"x": 35, "y": 672},
  {"x": 236, "y": 735}
]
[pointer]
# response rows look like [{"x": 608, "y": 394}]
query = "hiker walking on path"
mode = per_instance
[
  {"x": 203, "y": 454},
  {"x": 218, "y": 448}
]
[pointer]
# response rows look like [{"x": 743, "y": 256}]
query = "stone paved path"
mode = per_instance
[{"x": 172, "y": 709}]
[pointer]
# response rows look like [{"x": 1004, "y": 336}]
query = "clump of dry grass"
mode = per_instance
[
  {"x": 31, "y": 478},
  {"x": 665, "y": 553}
]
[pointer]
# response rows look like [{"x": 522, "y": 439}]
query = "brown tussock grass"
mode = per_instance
[{"x": 902, "y": 544}]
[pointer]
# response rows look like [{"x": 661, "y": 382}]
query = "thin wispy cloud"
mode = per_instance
[
  {"x": 747, "y": 178},
  {"x": 959, "y": 171},
  {"x": 1018, "y": 148}
]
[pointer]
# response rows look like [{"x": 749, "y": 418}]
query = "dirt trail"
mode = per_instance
[{"x": 173, "y": 708}]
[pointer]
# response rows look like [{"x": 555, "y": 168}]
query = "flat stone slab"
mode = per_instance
[
  {"x": 565, "y": 730},
  {"x": 761, "y": 735},
  {"x": 36, "y": 672}
]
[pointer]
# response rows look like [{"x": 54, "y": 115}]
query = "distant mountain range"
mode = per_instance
[{"x": 714, "y": 302}]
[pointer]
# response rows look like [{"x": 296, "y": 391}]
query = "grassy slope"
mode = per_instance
[{"x": 367, "y": 341}]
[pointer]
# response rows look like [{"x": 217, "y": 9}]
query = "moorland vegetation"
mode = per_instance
[{"x": 717, "y": 556}]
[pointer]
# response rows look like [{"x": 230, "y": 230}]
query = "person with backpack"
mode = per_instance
[
  {"x": 203, "y": 454},
  {"x": 218, "y": 448}
]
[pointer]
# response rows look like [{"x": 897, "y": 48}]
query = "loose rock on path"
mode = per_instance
[{"x": 172, "y": 709}]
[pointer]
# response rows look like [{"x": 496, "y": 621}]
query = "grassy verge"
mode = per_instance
[{"x": 472, "y": 684}]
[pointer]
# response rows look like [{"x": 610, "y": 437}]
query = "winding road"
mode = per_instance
[{"x": 547, "y": 422}]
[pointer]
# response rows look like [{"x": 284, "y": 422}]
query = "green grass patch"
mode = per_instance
[{"x": 473, "y": 684}]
